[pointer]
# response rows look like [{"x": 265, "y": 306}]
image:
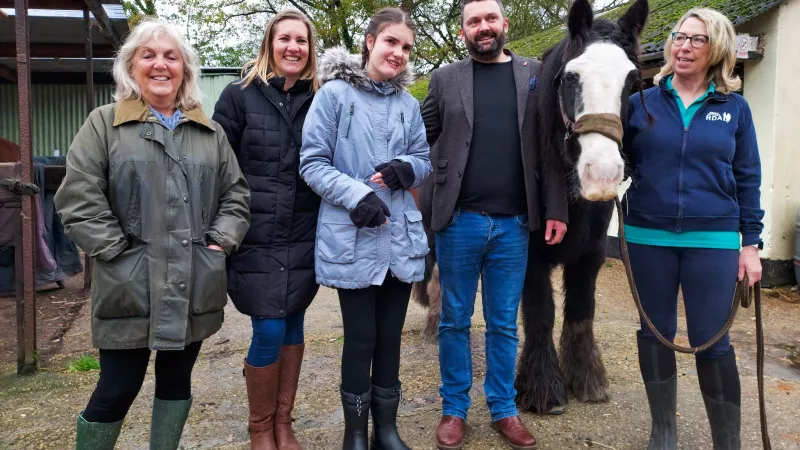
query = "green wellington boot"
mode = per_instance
[
  {"x": 95, "y": 435},
  {"x": 167, "y": 423}
]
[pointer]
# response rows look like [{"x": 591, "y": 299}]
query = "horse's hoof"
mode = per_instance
[
  {"x": 595, "y": 392},
  {"x": 556, "y": 410}
]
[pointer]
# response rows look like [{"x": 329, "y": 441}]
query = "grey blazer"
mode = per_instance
[{"x": 448, "y": 114}]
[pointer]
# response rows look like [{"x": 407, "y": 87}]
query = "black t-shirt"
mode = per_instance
[{"x": 494, "y": 181}]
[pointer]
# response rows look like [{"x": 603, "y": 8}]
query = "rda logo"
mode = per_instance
[{"x": 715, "y": 116}]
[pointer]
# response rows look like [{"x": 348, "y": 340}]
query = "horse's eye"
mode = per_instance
[{"x": 570, "y": 78}]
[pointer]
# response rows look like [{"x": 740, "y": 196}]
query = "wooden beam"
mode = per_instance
[
  {"x": 8, "y": 74},
  {"x": 3, "y": 15},
  {"x": 9, "y": 50},
  {"x": 100, "y": 16},
  {"x": 87, "y": 24},
  {"x": 46, "y": 4},
  {"x": 27, "y": 360}
]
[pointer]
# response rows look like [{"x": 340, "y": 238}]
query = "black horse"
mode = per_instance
[{"x": 583, "y": 87}]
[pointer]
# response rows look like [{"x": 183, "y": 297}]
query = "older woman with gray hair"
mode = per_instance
[{"x": 153, "y": 192}]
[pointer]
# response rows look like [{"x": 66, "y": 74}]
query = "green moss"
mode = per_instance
[
  {"x": 420, "y": 88},
  {"x": 664, "y": 14}
]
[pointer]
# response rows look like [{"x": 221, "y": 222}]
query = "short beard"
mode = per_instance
[{"x": 492, "y": 52}]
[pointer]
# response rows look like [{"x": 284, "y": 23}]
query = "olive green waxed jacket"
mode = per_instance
[{"x": 145, "y": 203}]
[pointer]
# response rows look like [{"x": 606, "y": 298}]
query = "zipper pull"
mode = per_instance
[
  {"x": 352, "y": 111},
  {"x": 403, "y": 125}
]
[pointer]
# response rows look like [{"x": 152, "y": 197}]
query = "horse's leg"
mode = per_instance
[
  {"x": 539, "y": 384},
  {"x": 581, "y": 363}
]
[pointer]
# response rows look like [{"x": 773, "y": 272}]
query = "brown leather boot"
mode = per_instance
[
  {"x": 515, "y": 434},
  {"x": 291, "y": 358},
  {"x": 450, "y": 433},
  {"x": 262, "y": 396}
]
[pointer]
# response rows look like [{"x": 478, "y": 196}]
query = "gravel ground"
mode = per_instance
[{"x": 39, "y": 412}]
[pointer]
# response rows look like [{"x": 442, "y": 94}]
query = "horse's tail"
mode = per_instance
[{"x": 428, "y": 289}]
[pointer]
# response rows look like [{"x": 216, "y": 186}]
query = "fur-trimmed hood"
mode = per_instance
[{"x": 339, "y": 64}]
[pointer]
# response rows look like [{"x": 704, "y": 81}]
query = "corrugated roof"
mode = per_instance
[{"x": 663, "y": 16}]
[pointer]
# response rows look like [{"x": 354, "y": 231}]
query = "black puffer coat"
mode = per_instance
[{"x": 272, "y": 273}]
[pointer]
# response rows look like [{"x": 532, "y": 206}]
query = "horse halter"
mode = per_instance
[{"x": 606, "y": 124}]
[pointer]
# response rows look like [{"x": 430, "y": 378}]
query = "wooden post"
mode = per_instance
[
  {"x": 88, "y": 261},
  {"x": 27, "y": 358}
]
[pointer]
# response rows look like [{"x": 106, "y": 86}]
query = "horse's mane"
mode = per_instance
[{"x": 550, "y": 125}]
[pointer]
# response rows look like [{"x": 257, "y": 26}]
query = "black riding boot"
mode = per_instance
[
  {"x": 356, "y": 420},
  {"x": 384, "y": 419},
  {"x": 722, "y": 394},
  {"x": 657, "y": 364}
]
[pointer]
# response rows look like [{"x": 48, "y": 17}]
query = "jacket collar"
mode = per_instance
[
  {"x": 338, "y": 63},
  {"x": 298, "y": 86},
  {"x": 662, "y": 84},
  {"x": 133, "y": 110}
]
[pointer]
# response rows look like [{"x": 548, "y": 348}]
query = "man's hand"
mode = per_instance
[
  {"x": 555, "y": 231},
  {"x": 750, "y": 263}
]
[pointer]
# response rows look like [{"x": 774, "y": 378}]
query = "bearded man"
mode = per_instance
[{"x": 486, "y": 198}]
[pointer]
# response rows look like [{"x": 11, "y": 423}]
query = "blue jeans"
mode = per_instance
[
  {"x": 496, "y": 250},
  {"x": 707, "y": 278},
  {"x": 269, "y": 334}
]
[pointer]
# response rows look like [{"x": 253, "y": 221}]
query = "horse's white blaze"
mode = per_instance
[{"x": 603, "y": 68}]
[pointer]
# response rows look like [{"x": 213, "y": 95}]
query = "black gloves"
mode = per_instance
[
  {"x": 370, "y": 212},
  {"x": 396, "y": 174}
]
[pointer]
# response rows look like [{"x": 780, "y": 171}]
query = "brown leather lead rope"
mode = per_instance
[{"x": 742, "y": 296}]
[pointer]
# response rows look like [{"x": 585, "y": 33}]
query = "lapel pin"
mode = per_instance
[{"x": 525, "y": 63}]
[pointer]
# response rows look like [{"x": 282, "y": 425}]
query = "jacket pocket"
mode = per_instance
[
  {"x": 416, "y": 234},
  {"x": 120, "y": 287},
  {"x": 209, "y": 280},
  {"x": 336, "y": 242},
  {"x": 350, "y": 119}
]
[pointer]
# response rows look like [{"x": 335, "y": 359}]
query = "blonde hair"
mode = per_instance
[
  {"x": 721, "y": 52},
  {"x": 189, "y": 94},
  {"x": 264, "y": 67}
]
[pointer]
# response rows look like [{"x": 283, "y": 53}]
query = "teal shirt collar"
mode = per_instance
[{"x": 711, "y": 89}]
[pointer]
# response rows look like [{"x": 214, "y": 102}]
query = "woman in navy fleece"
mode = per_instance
[{"x": 693, "y": 217}]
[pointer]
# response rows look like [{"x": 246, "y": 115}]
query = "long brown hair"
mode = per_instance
[
  {"x": 264, "y": 67},
  {"x": 382, "y": 19}
]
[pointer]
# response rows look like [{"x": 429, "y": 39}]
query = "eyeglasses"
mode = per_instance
[{"x": 698, "y": 40}]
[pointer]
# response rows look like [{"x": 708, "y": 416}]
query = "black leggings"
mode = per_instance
[
  {"x": 122, "y": 374},
  {"x": 373, "y": 324}
]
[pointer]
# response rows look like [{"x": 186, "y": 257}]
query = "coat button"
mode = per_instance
[
  {"x": 394, "y": 261},
  {"x": 281, "y": 312},
  {"x": 459, "y": 174},
  {"x": 392, "y": 218},
  {"x": 149, "y": 133},
  {"x": 466, "y": 143},
  {"x": 283, "y": 269},
  {"x": 185, "y": 199},
  {"x": 281, "y": 103},
  {"x": 182, "y": 286},
  {"x": 290, "y": 187},
  {"x": 185, "y": 243}
]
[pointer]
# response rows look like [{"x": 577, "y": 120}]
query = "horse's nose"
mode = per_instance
[{"x": 600, "y": 168}]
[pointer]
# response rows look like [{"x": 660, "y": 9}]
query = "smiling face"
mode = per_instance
[
  {"x": 157, "y": 68},
  {"x": 290, "y": 48},
  {"x": 389, "y": 51},
  {"x": 484, "y": 30},
  {"x": 689, "y": 61}
]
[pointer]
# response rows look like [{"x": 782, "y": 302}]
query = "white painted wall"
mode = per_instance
[{"x": 771, "y": 89}]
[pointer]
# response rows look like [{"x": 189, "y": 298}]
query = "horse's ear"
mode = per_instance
[
  {"x": 635, "y": 17},
  {"x": 580, "y": 19}
]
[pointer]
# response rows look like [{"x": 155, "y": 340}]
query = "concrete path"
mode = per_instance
[{"x": 39, "y": 412}]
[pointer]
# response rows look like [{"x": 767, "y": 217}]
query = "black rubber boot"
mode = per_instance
[
  {"x": 384, "y": 419},
  {"x": 657, "y": 364},
  {"x": 356, "y": 420},
  {"x": 722, "y": 394}
]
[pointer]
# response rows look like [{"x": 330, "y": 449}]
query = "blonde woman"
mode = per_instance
[
  {"x": 271, "y": 277},
  {"x": 693, "y": 217},
  {"x": 152, "y": 192}
]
